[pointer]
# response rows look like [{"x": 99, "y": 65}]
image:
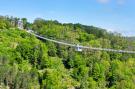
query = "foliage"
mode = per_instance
[{"x": 30, "y": 63}]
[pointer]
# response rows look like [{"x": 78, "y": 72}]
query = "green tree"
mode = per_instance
[{"x": 24, "y": 20}]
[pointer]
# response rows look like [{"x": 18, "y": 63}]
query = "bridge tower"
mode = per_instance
[
  {"x": 79, "y": 48},
  {"x": 20, "y": 24}
]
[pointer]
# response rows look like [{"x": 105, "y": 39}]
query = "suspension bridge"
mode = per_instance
[{"x": 79, "y": 47}]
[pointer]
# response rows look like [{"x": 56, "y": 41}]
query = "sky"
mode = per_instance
[{"x": 113, "y": 15}]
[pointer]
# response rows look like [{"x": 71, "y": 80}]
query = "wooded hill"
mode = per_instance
[{"x": 30, "y": 63}]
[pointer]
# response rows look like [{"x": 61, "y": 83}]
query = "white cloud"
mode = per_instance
[
  {"x": 119, "y": 2},
  {"x": 103, "y": 1}
]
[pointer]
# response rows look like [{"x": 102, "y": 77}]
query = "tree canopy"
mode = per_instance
[{"x": 27, "y": 62}]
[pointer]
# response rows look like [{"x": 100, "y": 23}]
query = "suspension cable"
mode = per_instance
[{"x": 82, "y": 47}]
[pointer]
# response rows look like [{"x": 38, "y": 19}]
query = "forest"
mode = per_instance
[{"x": 27, "y": 62}]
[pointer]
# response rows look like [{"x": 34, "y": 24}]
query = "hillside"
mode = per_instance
[
  {"x": 131, "y": 38},
  {"x": 30, "y": 63}
]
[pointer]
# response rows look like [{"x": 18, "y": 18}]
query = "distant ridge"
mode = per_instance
[{"x": 131, "y": 38}]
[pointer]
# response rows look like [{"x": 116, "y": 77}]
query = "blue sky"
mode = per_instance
[{"x": 114, "y": 15}]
